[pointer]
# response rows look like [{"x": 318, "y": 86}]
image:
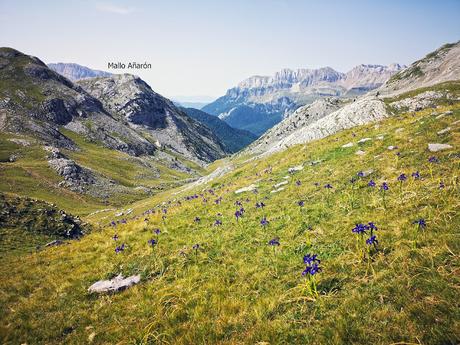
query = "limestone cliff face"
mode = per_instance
[
  {"x": 129, "y": 99},
  {"x": 259, "y": 102}
]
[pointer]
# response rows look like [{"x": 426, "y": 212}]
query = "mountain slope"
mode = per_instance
[
  {"x": 239, "y": 280},
  {"x": 132, "y": 100},
  {"x": 38, "y": 101},
  {"x": 273, "y": 98},
  {"x": 74, "y": 72},
  {"x": 233, "y": 139}
]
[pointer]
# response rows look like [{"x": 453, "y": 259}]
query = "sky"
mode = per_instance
[{"x": 200, "y": 48}]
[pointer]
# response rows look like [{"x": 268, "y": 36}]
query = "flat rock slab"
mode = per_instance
[
  {"x": 249, "y": 188},
  {"x": 296, "y": 168},
  {"x": 360, "y": 153},
  {"x": 438, "y": 147},
  {"x": 280, "y": 184},
  {"x": 363, "y": 140},
  {"x": 347, "y": 145},
  {"x": 445, "y": 130},
  {"x": 113, "y": 285},
  {"x": 277, "y": 190}
]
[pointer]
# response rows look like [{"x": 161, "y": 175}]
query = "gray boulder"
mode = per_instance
[{"x": 114, "y": 285}]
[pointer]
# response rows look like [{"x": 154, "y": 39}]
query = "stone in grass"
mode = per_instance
[
  {"x": 277, "y": 190},
  {"x": 54, "y": 243},
  {"x": 249, "y": 188},
  {"x": 347, "y": 145},
  {"x": 363, "y": 140},
  {"x": 438, "y": 147},
  {"x": 380, "y": 137},
  {"x": 114, "y": 285},
  {"x": 296, "y": 168},
  {"x": 280, "y": 184},
  {"x": 360, "y": 153},
  {"x": 445, "y": 130},
  {"x": 391, "y": 147},
  {"x": 366, "y": 173}
]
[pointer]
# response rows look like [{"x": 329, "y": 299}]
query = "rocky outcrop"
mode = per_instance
[
  {"x": 129, "y": 99},
  {"x": 114, "y": 285}
]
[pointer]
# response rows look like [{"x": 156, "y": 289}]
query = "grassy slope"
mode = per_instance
[{"x": 237, "y": 289}]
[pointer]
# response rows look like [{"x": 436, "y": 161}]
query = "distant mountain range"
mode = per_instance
[
  {"x": 259, "y": 102},
  {"x": 76, "y": 72}
]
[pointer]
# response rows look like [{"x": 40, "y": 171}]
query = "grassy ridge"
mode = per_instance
[{"x": 236, "y": 289}]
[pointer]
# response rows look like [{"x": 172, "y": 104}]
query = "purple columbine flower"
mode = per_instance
[
  {"x": 402, "y": 177},
  {"x": 298, "y": 183},
  {"x": 218, "y": 222},
  {"x": 197, "y": 219},
  {"x": 372, "y": 240},
  {"x": 115, "y": 237},
  {"x": 441, "y": 185},
  {"x": 328, "y": 186},
  {"x": 384, "y": 186},
  {"x": 153, "y": 242},
  {"x": 238, "y": 203},
  {"x": 433, "y": 159},
  {"x": 274, "y": 242},
  {"x": 156, "y": 231},
  {"x": 196, "y": 246},
  {"x": 312, "y": 267},
  {"x": 416, "y": 175},
  {"x": 371, "y": 183},
  {"x": 360, "y": 174},
  {"x": 165, "y": 211},
  {"x": 301, "y": 203},
  {"x": 264, "y": 221},
  {"x": 112, "y": 223},
  {"x": 371, "y": 226}
]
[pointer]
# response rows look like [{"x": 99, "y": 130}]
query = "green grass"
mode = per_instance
[{"x": 238, "y": 290}]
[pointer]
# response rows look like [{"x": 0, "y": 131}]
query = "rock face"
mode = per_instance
[
  {"x": 302, "y": 117},
  {"x": 128, "y": 117},
  {"x": 38, "y": 101},
  {"x": 129, "y": 99},
  {"x": 437, "y": 67},
  {"x": 74, "y": 72},
  {"x": 233, "y": 139},
  {"x": 260, "y": 102},
  {"x": 114, "y": 285}
]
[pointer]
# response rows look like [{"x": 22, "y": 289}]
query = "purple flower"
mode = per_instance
[
  {"x": 238, "y": 214},
  {"x": 264, "y": 221},
  {"x": 420, "y": 222},
  {"x": 274, "y": 242},
  {"x": 153, "y": 242},
  {"x": 416, "y": 175},
  {"x": 196, "y": 246},
  {"x": 298, "y": 183},
  {"x": 359, "y": 229},
  {"x": 238, "y": 203},
  {"x": 372, "y": 240},
  {"x": 402, "y": 177},
  {"x": 310, "y": 258},
  {"x": 157, "y": 231},
  {"x": 115, "y": 237},
  {"x": 165, "y": 211},
  {"x": 112, "y": 223},
  {"x": 260, "y": 205},
  {"x": 218, "y": 222},
  {"x": 301, "y": 203},
  {"x": 433, "y": 159},
  {"x": 371, "y": 226},
  {"x": 197, "y": 219},
  {"x": 119, "y": 249},
  {"x": 360, "y": 174},
  {"x": 371, "y": 183},
  {"x": 384, "y": 186},
  {"x": 328, "y": 186},
  {"x": 441, "y": 185}
]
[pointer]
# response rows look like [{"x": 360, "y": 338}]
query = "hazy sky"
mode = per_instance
[{"x": 204, "y": 47}]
